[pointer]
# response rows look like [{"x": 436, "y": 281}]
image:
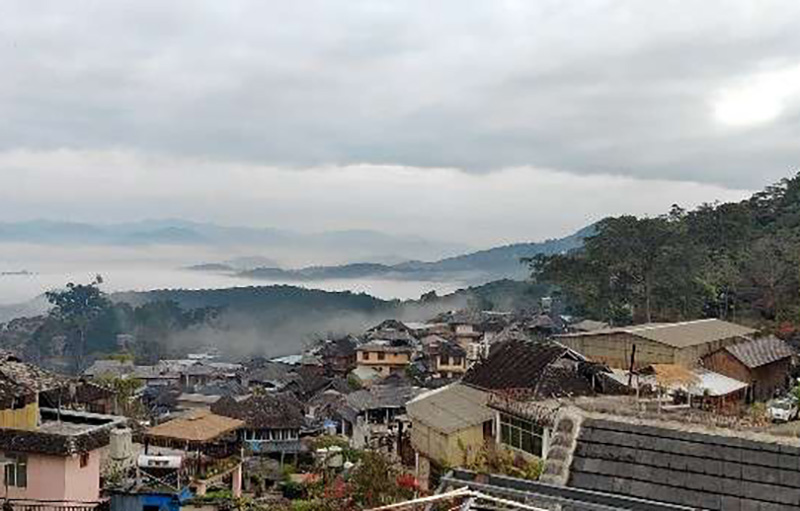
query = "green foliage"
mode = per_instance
[
  {"x": 731, "y": 261},
  {"x": 492, "y": 459},
  {"x": 76, "y": 307},
  {"x": 353, "y": 382}
]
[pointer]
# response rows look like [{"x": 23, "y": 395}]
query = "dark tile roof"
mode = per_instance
[
  {"x": 759, "y": 352},
  {"x": 382, "y": 396},
  {"x": 342, "y": 347},
  {"x": 74, "y": 433},
  {"x": 263, "y": 410},
  {"x": 700, "y": 470},
  {"x": 267, "y": 371},
  {"x": 543, "y": 369}
]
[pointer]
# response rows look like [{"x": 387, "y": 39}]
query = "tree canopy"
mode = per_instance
[{"x": 735, "y": 260}]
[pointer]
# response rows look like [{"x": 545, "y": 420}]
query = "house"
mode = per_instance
[
  {"x": 449, "y": 426},
  {"x": 447, "y": 359},
  {"x": 385, "y": 356},
  {"x": 49, "y": 454},
  {"x": 588, "y": 325},
  {"x": 656, "y": 343},
  {"x": 109, "y": 368},
  {"x": 204, "y": 396},
  {"x": 370, "y": 415},
  {"x": 339, "y": 355},
  {"x": 267, "y": 375},
  {"x": 272, "y": 421},
  {"x": 764, "y": 364},
  {"x": 520, "y": 373},
  {"x": 212, "y": 443},
  {"x": 156, "y": 375},
  {"x": 81, "y": 395}
]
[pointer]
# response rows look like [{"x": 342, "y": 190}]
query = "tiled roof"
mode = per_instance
[
  {"x": 534, "y": 366},
  {"x": 382, "y": 396},
  {"x": 76, "y": 432},
  {"x": 760, "y": 352},
  {"x": 263, "y": 410},
  {"x": 700, "y": 470}
]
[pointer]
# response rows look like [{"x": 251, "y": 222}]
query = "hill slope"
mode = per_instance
[{"x": 474, "y": 268}]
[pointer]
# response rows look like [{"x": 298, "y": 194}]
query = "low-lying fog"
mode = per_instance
[{"x": 146, "y": 268}]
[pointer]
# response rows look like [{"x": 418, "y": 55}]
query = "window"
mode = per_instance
[
  {"x": 521, "y": 434},
  {"x": 84, "y": 459},
  {"x": 17, "y": 471},
  {"x": 381, "y": 355},
  {"x": 457, "y": 361},
  {"x": 365, "y": 355}
]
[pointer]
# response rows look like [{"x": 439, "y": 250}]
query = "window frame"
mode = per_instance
[
  {"x": 16, "y": 474},
  {"x": 522, "y": 435}
]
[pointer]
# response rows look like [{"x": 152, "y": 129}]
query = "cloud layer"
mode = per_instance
[
  {"x": 466, "y": 119},
  {"x": 518, "y": 203}
]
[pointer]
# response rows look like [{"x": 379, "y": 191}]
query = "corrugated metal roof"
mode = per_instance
[
  {"x": 678, "y": 335},
  {"x": 451, "y": 408},
  {"x": 716, "y": 384},
  {"x": 760, "y": 352}
]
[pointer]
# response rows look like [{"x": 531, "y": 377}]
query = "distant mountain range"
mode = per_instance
[
  {"x": 342, "y": 245},
  {"x": 472, "y": 268}
]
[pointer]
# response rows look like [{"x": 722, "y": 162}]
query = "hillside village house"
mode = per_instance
[
  {"x": 449, "y": 359},
  {"x": 656, "y": 343},
  {"x": 449, "y": 427},
  {"x": 521, "y": 376},
  {"x": 384, "y": 356},
  {"x": 49, "y": 454},
  {"x": 272, "y": 421},
  {"x": 371, "y": 415},
  {"x": 763, "y": 364},
  {"x": 210, "y": 441}
]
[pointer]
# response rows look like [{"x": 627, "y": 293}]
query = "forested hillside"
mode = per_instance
[
  {"x": 738, "y": 261},
  {"x": 266, "y": 320}
]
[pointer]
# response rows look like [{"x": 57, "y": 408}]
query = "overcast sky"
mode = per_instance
[{"x": 473, "y": 121}]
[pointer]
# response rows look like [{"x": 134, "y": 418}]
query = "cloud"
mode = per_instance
[
  {"x": 594, "y": 88},
  {"x": 484, "y": 209}
]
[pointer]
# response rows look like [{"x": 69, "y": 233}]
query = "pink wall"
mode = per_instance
[{"x": 59, "y": 478}]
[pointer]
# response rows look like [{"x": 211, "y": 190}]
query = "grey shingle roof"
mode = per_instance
[
  {"x": 700, "y": 470},
  {"x": 760, "y": 352},
  {"x": 382, "y": 396}
]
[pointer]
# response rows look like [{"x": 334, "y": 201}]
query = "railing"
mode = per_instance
[{"x": 51, "y": 505}]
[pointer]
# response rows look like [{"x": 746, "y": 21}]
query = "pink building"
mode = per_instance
[{"x": 47, "y": 454}]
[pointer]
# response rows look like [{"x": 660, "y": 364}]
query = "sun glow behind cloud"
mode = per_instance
[{"x": 759, "y": 99}]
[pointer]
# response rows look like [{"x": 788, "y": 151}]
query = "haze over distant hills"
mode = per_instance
[
  {"x": 472, "y": 268},
  {"x": 276, "y": 244}
]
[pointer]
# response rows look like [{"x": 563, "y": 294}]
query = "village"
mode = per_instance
[{"x": 476, "y": 408}]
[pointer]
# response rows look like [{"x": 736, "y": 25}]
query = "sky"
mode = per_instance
[{"x": 469, "y": 121}]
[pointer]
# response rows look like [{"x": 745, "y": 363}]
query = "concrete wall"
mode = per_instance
[
  {"x": 60, "y": 478},
  {"x": 447, "y": 449},
  {"x": 388, "y": 358}
]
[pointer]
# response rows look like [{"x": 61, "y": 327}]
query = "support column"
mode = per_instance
[{"x": 236, "y": 481}]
